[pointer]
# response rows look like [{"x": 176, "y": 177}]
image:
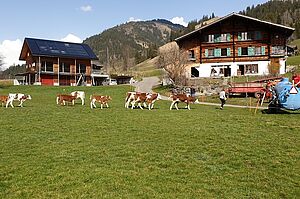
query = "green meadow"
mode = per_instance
[{"x": 53, "y": 151}]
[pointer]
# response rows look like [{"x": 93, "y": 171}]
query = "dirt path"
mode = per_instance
[{"x": 146, "y": 84}]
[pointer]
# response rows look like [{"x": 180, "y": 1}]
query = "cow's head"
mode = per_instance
[
  {"x": 158, "y": 96},
  {"x": 28, "y": 97}
]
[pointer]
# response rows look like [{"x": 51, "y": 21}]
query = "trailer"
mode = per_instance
[{"x": 256, "y": 88}]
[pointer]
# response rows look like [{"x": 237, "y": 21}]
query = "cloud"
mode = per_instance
[
  {"x": 133, "y": 19},
  {"x": 71, "y": 38},
  {"x": 179, "y": 20},
  {"x": 10, "y": 51},
  {"x": 86, "y": 8}
]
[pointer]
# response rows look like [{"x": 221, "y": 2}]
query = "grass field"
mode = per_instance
[{"x": 51, "y": 151}]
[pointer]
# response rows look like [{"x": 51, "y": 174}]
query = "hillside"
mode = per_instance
[
  {"x": 285, "y": 12},
  {"x": 131, "y": 43}
]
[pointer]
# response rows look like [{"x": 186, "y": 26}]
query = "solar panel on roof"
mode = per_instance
[{"x": 57, "y": 48}]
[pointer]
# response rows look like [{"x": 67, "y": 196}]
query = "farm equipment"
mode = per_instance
[
  {"x": 286, "y": 94},
  {"x": 258, "y": 88}
]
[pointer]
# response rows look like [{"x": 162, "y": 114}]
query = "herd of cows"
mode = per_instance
[{"x": 132, "y": 99}]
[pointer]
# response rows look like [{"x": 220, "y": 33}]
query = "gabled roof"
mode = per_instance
[
  {"x": 50, "y": 48},
  {"x": 291, "y": 30}
]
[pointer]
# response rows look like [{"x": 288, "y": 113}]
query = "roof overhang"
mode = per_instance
[{"x": 288, "y": 30}]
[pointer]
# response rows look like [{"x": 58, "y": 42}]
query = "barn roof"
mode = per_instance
[
  {"x": 50, "y": 48},
  {"x": 288, "y": 29}
]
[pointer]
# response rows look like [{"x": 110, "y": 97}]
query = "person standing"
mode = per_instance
[{"x": 222, "y": 98}]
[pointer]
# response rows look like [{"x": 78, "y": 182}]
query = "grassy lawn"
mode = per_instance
[
  {"x": 51, "y": 151},
  {"x": 294, "y": 61}
]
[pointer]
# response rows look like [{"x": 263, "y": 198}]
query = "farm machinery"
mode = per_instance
[{"x": 286, "y": 94}]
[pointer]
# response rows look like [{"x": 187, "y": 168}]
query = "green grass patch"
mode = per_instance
[
  {"x": 52, "y": 151},
  {"x": 293, "y": 60}
]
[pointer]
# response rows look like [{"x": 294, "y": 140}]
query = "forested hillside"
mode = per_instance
[
  {"x": 285, "y": 12},
  {"x": 131, "y": 43}
]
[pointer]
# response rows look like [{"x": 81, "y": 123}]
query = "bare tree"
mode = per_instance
[{"x": 174, "y": 61}]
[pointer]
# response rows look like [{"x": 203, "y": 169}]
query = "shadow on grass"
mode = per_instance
[{"x": 279, "y": 111}]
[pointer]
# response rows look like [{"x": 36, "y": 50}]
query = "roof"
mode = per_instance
[
  {"x": 238, "y": 15},
  {"x": 50, "y": 48}
]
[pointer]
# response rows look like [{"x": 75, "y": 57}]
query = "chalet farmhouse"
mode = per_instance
[
  {"x": 59, "y": 63},
  {"x": 236, "y": 45}
]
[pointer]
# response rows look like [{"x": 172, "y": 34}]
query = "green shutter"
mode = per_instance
[
  {"x": 217, "y": 52},
  {"x": 228, "y": 52},
  {"x": 228, "y": 36},
  {"x": 263, "y": 50},
  {"x": 239, "y": 36},
  {"x": 206, "y": 52},
  {"x": 251, "y": 51},
  {"x": 258, "y": 35},
  {"x": 239, "y": 51}
]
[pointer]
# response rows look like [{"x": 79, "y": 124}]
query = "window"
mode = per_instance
[
  {"x": 244, "y": 51},
  {"x": 80, "y": 68},
  {"x": 245, "y": 36},
  {"x": 194, "y": 72},
  {"x": 251, "y": 69},
  {"x": 46, "y": 66},
  {"x": 278, "y": 50},
  {"x": 192, "y": 55},
  {"x": 211, "y": 38},
  {"x": 224, "y": 52},
  {"x": 224, "y": 37},
  {"x": 64, "y": 67},
  {"x": 211, "y": 53},
  {"x": 257, "y": 50}
]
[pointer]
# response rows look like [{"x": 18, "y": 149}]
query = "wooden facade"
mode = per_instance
[
  {"x": 233, "y": 45},
  {"x": 57, "y": 67}
]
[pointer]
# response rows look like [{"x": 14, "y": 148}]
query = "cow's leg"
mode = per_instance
[
  {"x": 188, "y": 106},
  {"x": 107, "y": 105},
  {"x": 73, "y": 102},
  {"x": 176, "y": 105},
  {"x": 172, "y": 105},
  {"x": 57, "y": 100},
  {"x": 21, "y": 103},
  {"x": 82, "y": 101},
  {"x": 140, "y": 105},
  {"x": 145, "y": 105},
  {"x": 150, "y": 106},
  {"x": 101, "y": 105},
  {"x": 91, "y": 104},
  {"x": 132, "y": 104},
  {"x": 8, "y": 102}
]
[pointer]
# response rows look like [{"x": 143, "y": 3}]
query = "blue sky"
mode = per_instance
[{"x": 75, "y": 20}]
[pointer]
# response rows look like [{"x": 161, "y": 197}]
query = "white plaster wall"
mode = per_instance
[{"x": 205, "y": 69}]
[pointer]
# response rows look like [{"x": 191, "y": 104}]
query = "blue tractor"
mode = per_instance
[{"x": 286, "y": 95}]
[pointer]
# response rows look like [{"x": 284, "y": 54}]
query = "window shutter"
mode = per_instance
[
  {"x": 217, "y": 52},
  {"x": 258, "y": 35},
  {"x": 228, "y": 52},
  {"x": 206, "y": 52},
  {"x": 251, "y": 51},
  {"x": 263, "y": 50},
  {"x": 239, "y": 36},
  {"x": 228, "y": 37},
  {"x": 239, "y": 51}
]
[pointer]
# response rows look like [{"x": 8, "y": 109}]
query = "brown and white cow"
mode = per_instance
[
  {"x": 63, "y": 98},
  {"x": 3, "y": 99},
  {"x": 151, "y": 99},
  {"x": 102, "y": 99},
  {"x": 17, "y": 97},
  {"x": 186, "y": 98}
]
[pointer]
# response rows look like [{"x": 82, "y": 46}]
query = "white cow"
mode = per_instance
[
  {"x": 17, "y": 97},
  {"x": 80, "y": 94}
]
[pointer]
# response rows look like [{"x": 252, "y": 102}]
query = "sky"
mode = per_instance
[{"x": 76, "y": 20}]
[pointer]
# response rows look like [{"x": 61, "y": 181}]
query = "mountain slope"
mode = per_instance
[{"x": 131, "y": 43}]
